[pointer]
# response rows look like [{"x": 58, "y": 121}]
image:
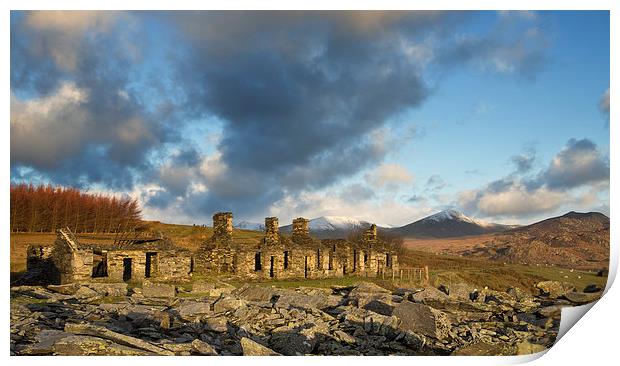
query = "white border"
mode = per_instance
[{"x": 593, "y": 339}]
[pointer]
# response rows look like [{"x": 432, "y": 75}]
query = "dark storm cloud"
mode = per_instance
[
  {"x": 303, "y": 96},
  {"x": 73, "y": 96},
  {"x": 298, "y": 91}
]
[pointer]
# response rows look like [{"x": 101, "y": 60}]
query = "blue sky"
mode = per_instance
[{"x": 385, "y": 117}]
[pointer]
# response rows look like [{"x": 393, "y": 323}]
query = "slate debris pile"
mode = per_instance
[{"x": 219, "y": 319}]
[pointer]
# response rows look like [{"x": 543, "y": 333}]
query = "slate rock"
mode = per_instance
[
  {"x": 419, "y": 318},
  {"x": 152, "y": 289},
  {"x": 252, "y": 348}
]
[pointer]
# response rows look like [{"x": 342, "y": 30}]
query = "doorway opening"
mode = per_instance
[
  {"x": 271, "y": 266},
  {"x": 257, "y": 264},
  {"x": 126, "y": 269},
  {"x": 150, "y": 268}
]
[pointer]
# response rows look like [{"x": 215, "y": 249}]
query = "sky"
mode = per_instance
[{"x": 382, "y": 116}]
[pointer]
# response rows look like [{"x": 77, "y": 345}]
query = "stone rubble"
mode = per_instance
[{"x": 109, "y": 319}]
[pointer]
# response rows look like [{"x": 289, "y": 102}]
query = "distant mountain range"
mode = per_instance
[
  {"x": 579, "y": 240},
  {"x": 334, "y": 227},
  {"x": 444, "y": 224}
]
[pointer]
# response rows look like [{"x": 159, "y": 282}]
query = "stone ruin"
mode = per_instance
[
  {"x": 275, "y": 256},
  {"x": 299, "y": 256},
  {"x": 70, "y": 261}
]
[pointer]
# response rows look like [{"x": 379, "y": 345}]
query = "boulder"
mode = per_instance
[
  {"x": 110, "y": 289},
  {"x": 255, "y": 293},
  {"x": 518, "y": 294},
  {"x": 367, "y": 292},
  {"x": 191, "y": 310},
  {"x": 550, "y": 311},
  {"x": 222, "y": 288},
  {"x": 80, "y": 345},
  {"x": 366, "y": 288},
  {"x": 86, "y": 293},
  {"x": 379, "y": 307},
  {"x": 422, "y": 319},
  {"x": 217, "y": 324},
  {"x": 203, "y": 287},
  {"x": 203, "y": 348},
  {"x": 311, "y": 299},
  {"x": 297, "y": 341},
  {"x": 152, "y": 289},
  {"x": 68, "y": 289},
  {"x": 429, "y": 296},
  {"x": 582, "y": 297},
  {"x": 592, "y": 288},
  {"x": 101, "y": 332},
  {"x": 228, "y": 304},
  {"x": 45, "y": 342},
  {"x": 461, "y": 291},
  {"x": 251, "y": 348},
  {"x": 554, "y": 289}
]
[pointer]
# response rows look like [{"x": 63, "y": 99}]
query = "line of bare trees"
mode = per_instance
[{"x": 45, "y": 208}]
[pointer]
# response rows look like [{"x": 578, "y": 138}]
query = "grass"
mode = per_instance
[{"x": 447, "y": 269}]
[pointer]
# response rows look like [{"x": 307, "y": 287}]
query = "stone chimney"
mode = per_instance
[
  {"x": 223, "y": 225},
  {"x": 371, "y": 233},
  {"x": 271, "y": 230},
  {"x": 300, "y": 227}
]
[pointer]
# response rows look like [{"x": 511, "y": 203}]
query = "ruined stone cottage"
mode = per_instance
[
  {"x": 70, "y": 261},
  {"x": 275, "y": 256},
  {"x": 297, "y": 256}
]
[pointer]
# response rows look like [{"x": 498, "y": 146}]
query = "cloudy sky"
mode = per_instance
[{"x": 382, "y": 116}]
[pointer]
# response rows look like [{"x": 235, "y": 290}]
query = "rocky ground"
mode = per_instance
[{"x": 219, "y": 319}]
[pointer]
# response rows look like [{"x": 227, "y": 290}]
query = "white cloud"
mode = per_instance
[
  {"x": 604, "y": 103},
  {"x": 517, "y": 200},
  {"x": 47, "y": 129},
  {"x": 315, "y": 204},
  {"x": 389, "y": 176}
]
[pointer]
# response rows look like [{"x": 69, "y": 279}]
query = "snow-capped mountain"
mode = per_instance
[
  {"x": 448, "y": 223},
  {"x": 444, "y": 224},
  {"x": 333, "y": 227}
]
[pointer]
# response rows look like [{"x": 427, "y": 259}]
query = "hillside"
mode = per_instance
[{"x": 576, "y": 240}]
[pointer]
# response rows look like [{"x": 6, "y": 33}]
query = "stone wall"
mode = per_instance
[
  {"x": 300, "y": 256},
  {"x": 223, "y": 225},
  {"x": 272, "y": 231},
  {"x": 70, "y": 262},
  {"x": 300, "y": 227},
  {"x": 38, "y": 258},
  {"x": 126, "y": 265}
]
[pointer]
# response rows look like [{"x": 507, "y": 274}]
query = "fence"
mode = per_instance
[{"x": 407, "y": 274}]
